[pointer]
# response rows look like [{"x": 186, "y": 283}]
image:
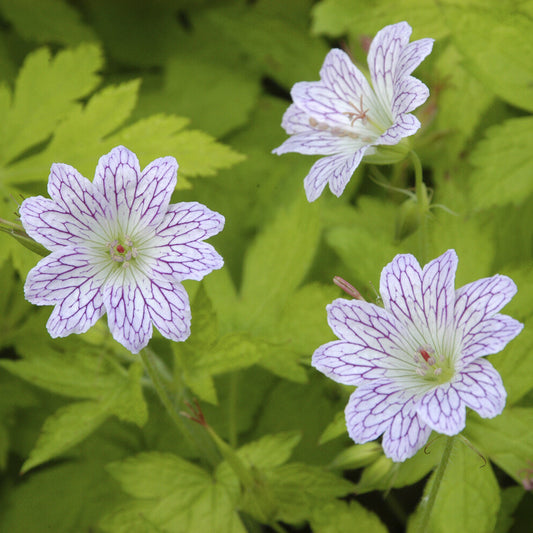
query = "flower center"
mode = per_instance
[
  {"x": 432, "y": 366},
  {"x": 122, "y": 251}
]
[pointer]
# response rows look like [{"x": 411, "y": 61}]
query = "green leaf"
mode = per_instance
[
  {"x": 207, "y": 354},
  {"x": 170, "y": 495},
  {"x": 300, "y": 488},
  {"x": 511, "y": 498},
  {"x": 73, "y": 423},
  {"x": 46, "y": 91},
  {"x": 47, "y": 21},
  {"x": 515, "y": 365},
  {"x": 502, "y": 62},
  {"x": 197, "y": 153},
  {"x": 337, "y": 17},
  {"x": 277, "y": 262},
  {"x": 340, "y": 517},
  {"x": 461, "y": 100},
  {"x": 62, "y": 498},
  {"x": 66, "y": 428},
  {"x": 468, "y": 498},
  {"x": 502, "y": 164},
  {"x": 507, "y": 439}
]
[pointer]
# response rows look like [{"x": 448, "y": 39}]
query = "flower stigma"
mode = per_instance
[
  {"x": 122, "y": 252},
  {"x": 432, "y": 367}
]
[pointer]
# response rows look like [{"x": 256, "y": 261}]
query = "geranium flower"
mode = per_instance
[
  {"x": 119, "y": 248},
  {"x": 344, "y": 118},
  {"x": 419, "y": 362}
]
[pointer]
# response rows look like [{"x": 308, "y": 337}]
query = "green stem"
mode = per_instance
[
  {"x": 429, "y": 502},
  {"x": 151, "y": 365}
]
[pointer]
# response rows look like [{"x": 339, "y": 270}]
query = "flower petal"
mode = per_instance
[
  {"x": 404, "y": 126},
  {"x": 332, "y": 99},
  {"x": 341, "y": 361},
  {"x": 181, "y": 254},
  {"x": 406, "y": 434},
  {"x": 476, "y": 307},
  {"x": 76, "y": 195},
  {"x": 384, "y": 58},
  {"x": 412, "y": 55},
  {"x": 370, "y": 410},
  {"x": 134, "y": 196},
  {"x": 295, "y": 120},
  {"x": 317, "y": 142},
  {"x": 443, "y": 410},
  {"x": 169, "y": 309},
  {"x": 374, "y": 334},
  {"x": 128, "y": 316},
  {"x": 489, "y": 336},
  {"x": 335, "y": 170},
  {"x": 68, "y": 281},
  {"x": 46, "y": 221},
  {"x": 409, "y": 93},
  {"x": 419, "y": 296},
  {"x": 481, "y": 388}
]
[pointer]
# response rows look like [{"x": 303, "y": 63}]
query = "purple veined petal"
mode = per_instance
[
  {"x": 476, "y": 306},
  {"x": 117, "y": 179},
  {"x": 443, "y": 409},
  {"x": 317, "y": 142},
  {"x": 424, "y": 296},
  {"x": 489, "y": 336},
  {"x": 370, "y": 410},
  {"x": 341, "y": 91},
  {"x": 409, "y": 93},
  {"x": 76, "y": 195},
  {"x": 335, "y": 170},
  {"x": 187, "y": 222},
  {"x": 168, "y": 305},
  {"x": 481, "y": 388},
  {"x": 156, "y": 185},
  {"x": 482, "y": 299},
  {"x": 347, "y": 82},
  {"x": 370, "y": 329},
  {"x": 127, "y": 313},
  {"x": 404, "y": 126},
  {"x": 187, "y": 261},
  {"x": 406, "y": 434},
  {"x": 384, "y": 56},
  {"x": 295, "y": 120},
  {"x": 343, "y": 362},
  {"x": 66, "y": 280},
  {"x": 45, "y": 221},
  {"x": 412, "y": 55}
]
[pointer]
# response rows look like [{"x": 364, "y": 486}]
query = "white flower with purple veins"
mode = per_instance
[
  {"x": 419, "y": 362},
  {"x": 119, "y": 248},
  {"x": 344, "y": 118}
]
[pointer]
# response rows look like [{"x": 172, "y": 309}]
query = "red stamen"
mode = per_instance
[
  {"x": 424, "y": 354},
  {"x": 120, "y": 249}
]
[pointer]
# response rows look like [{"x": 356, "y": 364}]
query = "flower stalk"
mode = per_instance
[{"x": 429, "y": 502}]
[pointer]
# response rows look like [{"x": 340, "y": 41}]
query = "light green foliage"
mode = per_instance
[
  {"x": 208, "y": 82},
  {"x": 495, "y": 181},
  {"x": 507, "y": 440},
  {"x": 468, "y": 499},
  {"x": 81, "y": 373},
  {"x": 47, "y": 21},
  {"x": 502, "y": 62},
  {"x": 339, "y": 517},
  {"x": 287, "y": 492},
  {"x": 336, "y": 17},
  {"x": 171, "y": 495}
]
